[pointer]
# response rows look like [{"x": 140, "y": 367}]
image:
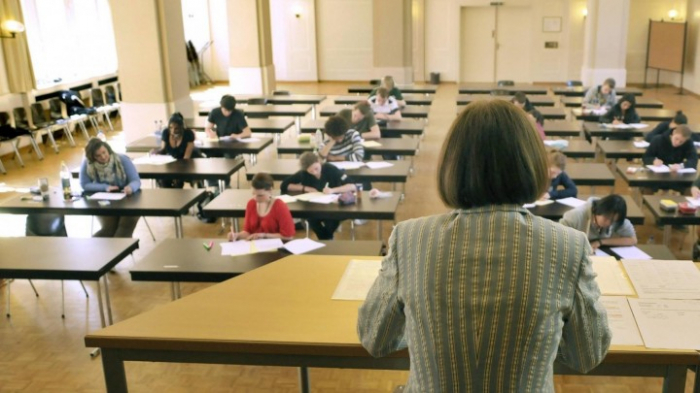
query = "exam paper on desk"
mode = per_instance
[
  {"x": 357, "y": 280},
  {"x": 667, "y": 324},
  {"x": 653, "y": 279},
  {"x": 611, "y": 278},
  {"x": 621, "y": 321}
]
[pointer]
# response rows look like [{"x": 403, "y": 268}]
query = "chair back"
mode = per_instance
[
  {"x": 45, "y": 224},
  {"x": 574, "y": 83},
  {"x": 506, "y": 83},
  {"x": 38, "y": 114},
  {"x": 20, "y": 115},
  {"x": 110, "y": 94},
  {"x": 97, "y": 98},
  {"x": 281, "y": 93},
  {"x": 257, "y": 101},
  {"x": 56, "y": 109}
]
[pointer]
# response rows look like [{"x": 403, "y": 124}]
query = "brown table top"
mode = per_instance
[
  {"x": 669, "y": 218},
  {"x": 268, "y": 110},
  {"x": 646, "y": 178},
  {"x": 232, "y": 203},
  {"x": 62, "y": 258},
  {"x": 282, "y": 168},
  {"x": 596, "y": 129},
  {"x": 487, "y": 87},
  {"x": 590, "y": 174},
  {"x": 311, "y": 99},
  {"x": 536, "y": 100},
  {"x": 562, "y": 128},
  {"x": 395, "y": 146},
  {"x": 641, "y": 102},
  {"x": 412, "y": 88},
  {"x": 226, "y": 145},
  {"x": 395, "y": 127},
  {"x": 407, "y": 111},
  {"x": 187, "y": 259},
  {"x": 581, "y": 91},
  {"x": 192, "y": 169},
  {"x": 547, "y": 112},
  {"x": 646, "y": 114},
  {"x": 578, "y": 149},
  {"x": 275, "y": 125},
  {"x": 411, "y": 99},
  {"x": 555, "y": 211},
  {"x": 622, "y": 149}
]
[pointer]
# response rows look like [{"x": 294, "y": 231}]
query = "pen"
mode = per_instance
[{"x": 326, "y": 186}]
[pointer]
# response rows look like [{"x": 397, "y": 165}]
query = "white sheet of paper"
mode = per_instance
[
  {"x": 693, "y": 202},
  {"x": 301, "y": 246},
  {"x": 664, "y": 279},
  {"x": 686, "y": 170},
  {"x": 239, "y": 247},
  {"x": 571, "y": 201},
  {"x": 598, "y": 111},
  {"x": 543, "y": 202},
  {"x": 325, "y": 199},
  {"x": 371, "y": 144},
  {"x": 659, "y": 168},
  {"x": 378, "y": 164},
  {"x": 600, "y": 253},
  {"x": 309, "y": 196},
  {"x": 668, "y": 324},
  {"x": 262, "y": 245},
  {"x": 154, "y": 160},
  {"x": 348, "y": 164},
  {"x": 382, "y": 194},
  {"x": 561, "y": 143},
  {"x": 641, "y": 144},
  {"x": 286, "y": 198},
  {"x": 621, "y": 321},
  {"x": 611, "y": 279},
  {"x": 529, "y": 205},
  {"x": 248, "y": 140},
  {"x": 357, "y": 280},
  {"x": 108, "y": 196},
  {"x": 630, "y": 252}
]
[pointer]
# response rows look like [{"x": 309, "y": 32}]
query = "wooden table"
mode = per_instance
[
  {"x": 667, "y": 219},
  {"x": 552, "y": 113},
  {"x": 389, "y": 146},
  {"x": 646, "y": 114},
  {"x": 295, "y": 293},
  {"x": 646, "y": 178},
  {"x": 579, "y": 91},
  {"x": 206, "y": 146},
  {"x": 275, "y": 125},
  {"x": 159, "y": 202},
  {"x": 555, "y": 211},
  {"x": 590, "y": 174},
  {"x": 622, "y": 149},
  {"x": 282, "y": 168},
  {"x": 642, "y": 102},
  {"x": 186, "y": 260},
  {"x": 409, "y": 112},
  {"x": 419, "y": 89},
  {"x": 562, "y": 128},
  {"x": 535, "y": 100},
  {"x": 64, "y": 258},
  {"x": 578, "y": 149},
  {"x": 487, "y": 88},
  {"x": 232, "y": 203},
  {"x": 411, "y": 99},
  {"x": 388, "y": 128},
  {"x": 599, "y": 130}
]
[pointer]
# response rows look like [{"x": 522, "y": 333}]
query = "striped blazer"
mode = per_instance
[{"x": 486, "y": 299}]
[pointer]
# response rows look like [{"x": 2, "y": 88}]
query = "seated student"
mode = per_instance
[
  {"x": 313, "y": 177},
  {"x": 361, "y": 119},
  {"x": 104, "y": 171},
  {"x": 604, "y": 221},
  {"x": 343, "y": 143},
  {"x": 384, "y": 106},
  {"x": 521, "y": 101},
  {"x": 601, "y": 96},
  {"x": 557, "y": 164},
  {"x": 623, "y": 112},
  {"x": 178, "y": 142},
  {"x": 228, "y": 121},
  {"x": 674, "y": 148},
  {"x": 666, "y": 126},
  {"x": 388, "y": 83},
  {"x": 536, "y": 117},
  {"x": 265, "y": 216}
]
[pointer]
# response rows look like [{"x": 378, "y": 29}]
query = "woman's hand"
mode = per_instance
[
  {"x": 374, "y": 193},
  {"x": 112, "y": 188},
  {"x": 657, "y": 162},
  {"x": 595, "y": 244},
  {"x": 617, "y": 122},
  {"x": 256, "y": 236},
  {"x": 128, "y": 190},
  {"x": 232, "y": 236}
]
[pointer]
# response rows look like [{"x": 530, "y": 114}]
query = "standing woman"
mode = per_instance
[
  {"x": 103, "y": 170},
  {"x": 178, "y": 142},
  {"x": 487, "y": 296},
  {"x": 314, "y": 177},
  {"x": 266, "y": 217}
]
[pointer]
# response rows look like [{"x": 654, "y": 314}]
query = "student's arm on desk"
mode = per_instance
[
  {"x": 374, "y": 133},
  {"x": 381, "y": 321},
  {"x": 247, "y": 133},
  {"x": 586, "y": 336},
  {"x": 88, "y": 184},
  {"x": 209, "y": 130}
]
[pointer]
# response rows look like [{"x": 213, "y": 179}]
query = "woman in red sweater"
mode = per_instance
[{"x": 265, "y": 216}]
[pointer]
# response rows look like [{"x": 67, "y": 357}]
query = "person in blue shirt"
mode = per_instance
[
  {"x": 104, "y": 171},
  {"x": 557, "y": 164}
]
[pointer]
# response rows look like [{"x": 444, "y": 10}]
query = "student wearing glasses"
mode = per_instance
[{"x": 604, "y": 221}]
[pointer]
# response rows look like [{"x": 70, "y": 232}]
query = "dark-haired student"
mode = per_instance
[
  {"x": 674, "y": 149},
  {"x": 485, "y": 258},
  {"x": 361, "y": 119},
  {"x": 343, "y": 143},
  {"x": 624, "y": 112},
  {"x": 521, "y": 101},
  {"x": 177, "y": 141},
  {"x": 561, "y": 185},
  {"x": 228, "y": 121},
  {"x": 665, "y": 126},
  {"x": 604, "y": 221}
]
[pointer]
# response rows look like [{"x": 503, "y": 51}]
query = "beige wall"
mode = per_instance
[
  {"x": 389, "y": 24},
  {"x": 249, "y": 19}
]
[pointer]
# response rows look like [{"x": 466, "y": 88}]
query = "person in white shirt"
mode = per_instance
[{"x": 384, "y": 106}]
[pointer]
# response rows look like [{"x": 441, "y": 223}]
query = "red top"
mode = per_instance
[
  {"x": 278, "y": 219},
  {"x": 540, "y": 130}
]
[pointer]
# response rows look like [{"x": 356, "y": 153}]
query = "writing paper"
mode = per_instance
[
  {"x": 630, "y": 252},
  {"x": 301, "y": 246},
  {"x": 653, "y": 279},
  {"x": 668, "y": 324},
  {"x": 611, "y": 279},
  {"x": 357, "y": 280},
  {"x": 108, "y": 196},
  {"x": 621, "y": 321},
  {"x": 571, "y": 201}
]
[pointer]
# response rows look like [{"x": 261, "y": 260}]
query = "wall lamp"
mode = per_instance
[
  {"x": 297, "y": 11},
  {"x": 673, "y": 14},
  {"x": 11, "y": 27},
  {"x": 584, "y": 12}
]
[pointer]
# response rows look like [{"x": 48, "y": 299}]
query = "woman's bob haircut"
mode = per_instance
[{"x": 492, "y": 156}]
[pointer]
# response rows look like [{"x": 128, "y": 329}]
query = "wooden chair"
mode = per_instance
[
  {"x": 574, "y": 83},
  {"x": 58, "y": 114},
  {"x": 506, "y": 82}
]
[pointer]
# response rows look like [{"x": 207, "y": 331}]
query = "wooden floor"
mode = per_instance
[{"x": 40, "y": 352}]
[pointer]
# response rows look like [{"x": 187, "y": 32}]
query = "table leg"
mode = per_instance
[
  {"x": 173, "y": 297},
  {"x": 352, "y": 229},
  {"x": 177, "y": 290},
  {"x": 297, "y": 123},
  {"x": 674, "y": 380},
  {"x": 313, "y": 112},
  {"x": 178, "y": 227},
  {"x": 9, "y": 284},
  {"x": 99, "y": 302},
  {"x": 379, "y": 230},
  {"x": 115, "y": 375},
  {"x": 304, "y": 382},
  {"x": 109, "y": 303},
  {"x": 696, "y": 387},
  {"x": 667, "y": 235}
]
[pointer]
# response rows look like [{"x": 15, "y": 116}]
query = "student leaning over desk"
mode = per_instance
[
  {"x": 361, "y": 119},
  {"x": 674, "y": 149},
  {"x": 601, "y": 96},
  {"x": 388, "y": 83},
  {"x": 559, "y": 178},
  {"x": 487, "y": 296},
  {"x": 624, "y": 112}
]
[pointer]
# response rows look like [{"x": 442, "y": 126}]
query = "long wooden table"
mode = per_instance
[
  {"x": 295, "y": 293},
  {"x": 274, "y": 125},
  {"x": 668, "y": 219},
  {"x": 411, "y": 99},
  {"x": 389, "y": 146},
  {"x": 412, "y": 88},
  {"x": 555, "y": 211},
  {"x": 641, "y": 102},
  {"x": 578, "y": 149},
  {"x": 409, "y": 112},
  {"x": 206, "y": 146},
  {"x": 579, "y": 91},
  {"x": 388, "y": 128},
  {"x": 535, "y": 100},
  {"x": 622, "y": 149},
  {"x": 488, "y": 87},
  {"x": 282, "y": 168},
  {"x": 548, "y": 112},
  {"x": 562, "y": 128},
  {"x": 590, "y": 174},
  {"x": 646, "y": 114}
]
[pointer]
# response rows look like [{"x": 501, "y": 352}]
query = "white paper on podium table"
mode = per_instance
[
  {"x": 262, "y": 245},
  {"x": 621, "y": 321},
  {"x": 239, "y": 247},
  {"x": 571, "y": 201},
  {"x": 301, "y": 246},
  {"x": 630, "y": 252},
  {"x": 286, "y": 198},
  {"x": 611, "y": 279},
  {"x": 659, "y": 168},
  {"x": 668, "y": 324},
  {"x": 348, "y": 164},
  {"x": 357, "y": 280},
  {"x": 378, "y": 164},
  {"x": 108, "y": 196},
  {"x": 654, "y": 279}
]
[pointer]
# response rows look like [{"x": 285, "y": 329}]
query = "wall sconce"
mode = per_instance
[
  {"x": 297, "y": 11},
  {"x": 673, "y": 14},
  {"x": 584, "y": 12},
  {"x": 12, "y": 27}
]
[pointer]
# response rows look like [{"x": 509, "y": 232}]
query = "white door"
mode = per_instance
[{"x": 495, "y": 44}]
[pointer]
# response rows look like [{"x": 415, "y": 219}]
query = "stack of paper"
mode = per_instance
[
  {"x": 108, "y": 196},
  {"x": 573, "y": 202},
  {"x": 668, "y": 324},
  {"x": 357, "y": 280},
  {"x": 378, "y": 164},
  {"x": 641, "y": 144},
  {"x": 242, "y": 247},
  {"x": 348, "y": 164},
  {"x": 664, "y": 279},
  {"x": 659, "y": 168},
  {"x": 301, "y": 246},
  {"x": 611, "y": 279},
  {"x": 621, "y": 321}
]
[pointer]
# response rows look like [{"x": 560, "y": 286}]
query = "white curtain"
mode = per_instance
[{"x": 69, "y": 40}]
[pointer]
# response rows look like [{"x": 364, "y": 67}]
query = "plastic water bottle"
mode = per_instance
[
  {"x": 101, "y": 136},
  {"x": 65, "y": 181}
]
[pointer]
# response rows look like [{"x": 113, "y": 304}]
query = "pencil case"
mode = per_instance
[
  {"x": 668, "y": 205},
  {"x": 686, "y": 208}
]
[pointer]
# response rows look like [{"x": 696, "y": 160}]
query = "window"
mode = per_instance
[{"x": 69, "y": 40}]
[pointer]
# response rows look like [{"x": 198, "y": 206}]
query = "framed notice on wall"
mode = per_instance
[{"x": 551, "y": 24}]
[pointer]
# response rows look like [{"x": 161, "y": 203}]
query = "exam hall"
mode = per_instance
[{"x": 438, "y": 53}]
